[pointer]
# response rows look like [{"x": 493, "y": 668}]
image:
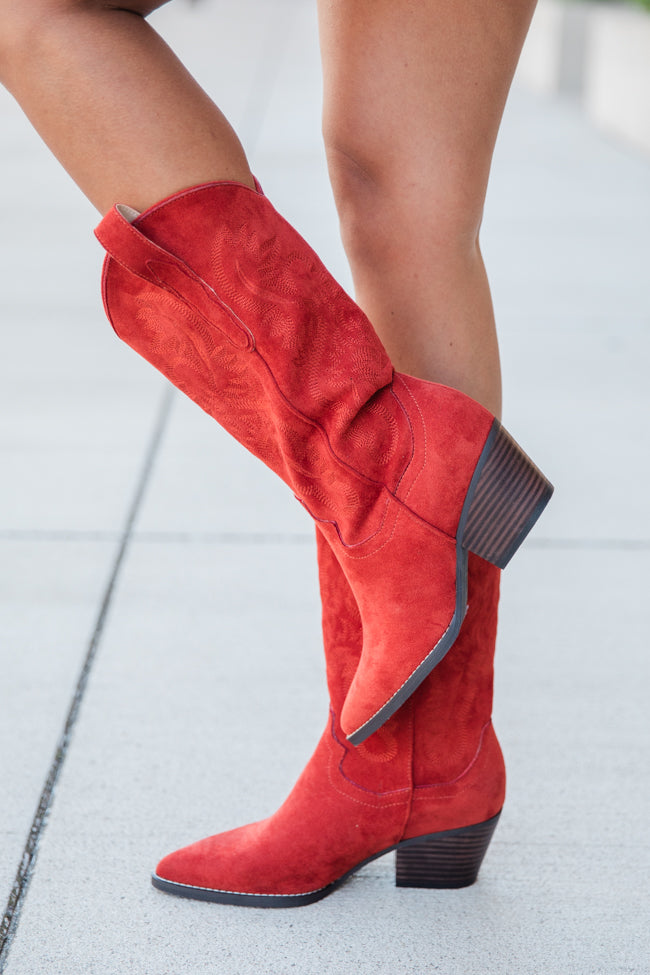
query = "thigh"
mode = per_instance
[{"x": 414, "y": 90}]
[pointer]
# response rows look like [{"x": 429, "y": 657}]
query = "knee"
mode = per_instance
[{"x": 392, "y": 203}]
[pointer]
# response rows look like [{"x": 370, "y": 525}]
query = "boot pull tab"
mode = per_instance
[{"x": 125, "y": 244}]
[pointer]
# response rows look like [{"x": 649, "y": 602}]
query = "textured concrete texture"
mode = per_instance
[{"x": 206, "y": 693}]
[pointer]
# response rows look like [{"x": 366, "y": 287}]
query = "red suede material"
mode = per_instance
[
  {"x": 215, "y": 289},
  {"x": 323, "y": 353},
  {"x": 458, "y": 769},
  {"x": 453, "y": 707},
  {"x": 382, "y": 763},
  {"x": 324, "y": 828},
  {"x": 352, "y": 803},
  {"x": 457, "y": 766},
  {"x": 233, "y": 262},
  {"x": 447, "y": 429},
  {"x": 405, "y": 611},
  {"x": 344, "y": 807},
  {"x": 476, "y": 795}
]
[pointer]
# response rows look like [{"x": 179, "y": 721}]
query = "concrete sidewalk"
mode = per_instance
[{"x": 136, "y": 536}]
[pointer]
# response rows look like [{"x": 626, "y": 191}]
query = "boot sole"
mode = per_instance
[{"x": 441, "y": 861}]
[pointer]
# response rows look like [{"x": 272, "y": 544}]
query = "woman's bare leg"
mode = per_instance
[
  {"x": 112, "y": 101},
  {"x": 414, "y": 94}
]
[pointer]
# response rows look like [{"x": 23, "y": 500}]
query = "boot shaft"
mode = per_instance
[
  {"x": 453, "y": 706},
  {"x": 223, "y": 296},
  {"x": 381, "y": 764},
  {"x": 444, "y": 729}
]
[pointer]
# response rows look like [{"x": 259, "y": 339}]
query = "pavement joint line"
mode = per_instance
[
  {"x": 17, "y": 897},
  {"x": 226, "y": 538},
  {"x": 176, "y": 537},
  {"x": 285, "y": 538}
]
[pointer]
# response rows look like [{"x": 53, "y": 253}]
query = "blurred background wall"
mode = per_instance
[{"x": 597, "y": 51}]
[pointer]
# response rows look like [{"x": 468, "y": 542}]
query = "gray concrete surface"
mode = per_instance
[{"x": 207, "y": 692}]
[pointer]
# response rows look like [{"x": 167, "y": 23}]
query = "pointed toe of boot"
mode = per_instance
[
  {"x": 412, "y": 596},
  {"x": 227, "y": 868},
  {"x": 185, "y": 868}
]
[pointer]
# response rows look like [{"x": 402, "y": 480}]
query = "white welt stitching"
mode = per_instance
[{"x": 239, "y": 893}]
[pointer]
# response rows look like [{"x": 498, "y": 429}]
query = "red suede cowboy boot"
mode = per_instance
[
  {"x": 403, "y": 476},
  {"x": 429, "y": 783}
]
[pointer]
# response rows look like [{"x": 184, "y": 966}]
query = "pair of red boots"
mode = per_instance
[{"x": 407, "y": 482}]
